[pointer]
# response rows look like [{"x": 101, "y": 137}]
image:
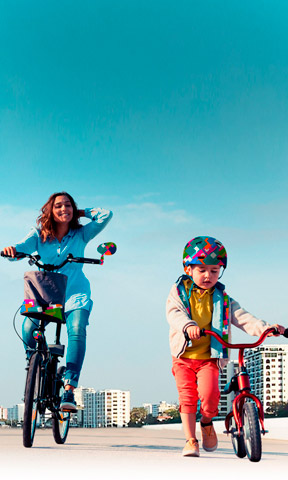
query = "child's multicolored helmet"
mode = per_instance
[{"x": 204, "y": 251}]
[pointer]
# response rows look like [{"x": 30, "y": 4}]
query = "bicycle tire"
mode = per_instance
[
  {"x": 251, "y": 432},
  {"x": 60, "y": 420},
  {"x": 237, "y": 442},
  {"x": 32, "y": 390}
]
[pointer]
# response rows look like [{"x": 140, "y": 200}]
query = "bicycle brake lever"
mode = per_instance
[{"x": 34, "y": 259}]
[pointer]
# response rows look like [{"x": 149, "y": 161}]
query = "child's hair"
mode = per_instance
[{"x": 46, "y": 220}]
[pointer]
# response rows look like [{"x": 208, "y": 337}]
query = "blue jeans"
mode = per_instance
[{"x": 76, "y": 322}]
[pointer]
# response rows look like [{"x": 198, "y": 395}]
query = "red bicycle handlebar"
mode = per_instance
[{"x": 240, "y": 345}]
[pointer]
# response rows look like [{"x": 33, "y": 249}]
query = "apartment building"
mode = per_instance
[
  {"x": 112, "y": 408},
  {"x": 268, "y": 370},
  {"x": 89, "y": 410},
  {"x": 102, "y": 408}
]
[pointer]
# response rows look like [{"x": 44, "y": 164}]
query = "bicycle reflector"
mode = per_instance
[{"x": 37, "y": 335}]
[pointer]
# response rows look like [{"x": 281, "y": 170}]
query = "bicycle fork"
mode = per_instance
[{"x": 238, "y": 402}]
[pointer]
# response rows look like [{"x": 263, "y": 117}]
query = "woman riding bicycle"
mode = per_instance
[{"x": 59, "y": 233}]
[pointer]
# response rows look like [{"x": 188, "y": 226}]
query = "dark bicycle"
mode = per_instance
[
  {"x": 247, "y": 416},
  {"x": 45, "y": 380}
]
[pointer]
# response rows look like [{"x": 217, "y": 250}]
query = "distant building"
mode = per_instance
[
  {"x": 20, "y": 412},
  {"x": 148, "y": 408},
  {"x": 102, "y": 408},
  {"x": 89, "y": 412},
  {"x": 268, "y": 369},
  {"x": 85, "y": 401},
  {"x": 164, "y": 406},
  {"x": 157, "y": 410},
  {"x": 112, "y": 408}
]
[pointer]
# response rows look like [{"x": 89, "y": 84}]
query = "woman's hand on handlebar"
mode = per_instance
[
  {"x": 193, "y": 332},
  {"x": 280, "y": 329},
  {"x": 10, "y": 251}
]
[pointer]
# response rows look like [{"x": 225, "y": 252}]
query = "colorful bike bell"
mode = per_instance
[{"x": 204, "y": 251}]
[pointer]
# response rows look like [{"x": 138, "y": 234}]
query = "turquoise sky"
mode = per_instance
[{"x": 172, "y": 114}]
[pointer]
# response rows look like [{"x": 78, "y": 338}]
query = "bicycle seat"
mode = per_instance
[
  {"x": 51, "y": 313},
  {"x": 231, "y": 386}
]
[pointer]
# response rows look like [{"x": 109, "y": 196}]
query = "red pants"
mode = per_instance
[{"x": 197, "y": 379}]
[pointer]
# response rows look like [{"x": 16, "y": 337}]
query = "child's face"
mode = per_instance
[{"x": 205, "y": 276}]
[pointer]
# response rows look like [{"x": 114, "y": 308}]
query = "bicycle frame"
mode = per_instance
[
  {"x": 49, "y": 354},
  {"x": 244, "y": 387}
]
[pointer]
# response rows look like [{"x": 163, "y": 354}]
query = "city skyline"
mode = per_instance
[
  {"x": 174, "y": 116},
  {"x": 258, "y": 361}
]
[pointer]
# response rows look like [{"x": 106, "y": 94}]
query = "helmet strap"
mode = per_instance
[
  {"x": 192, "y": 285},
  {"x": 222, "y": 273}
]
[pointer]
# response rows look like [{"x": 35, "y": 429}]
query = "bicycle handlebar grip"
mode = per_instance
[
  {"x": 93, "y": 261},
  {"x": 202, "y": 332},
  {"x": 285, "y": 334},
  {"x": 18, "y": 255}
]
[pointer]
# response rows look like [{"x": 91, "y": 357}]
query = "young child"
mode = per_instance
[{"x": 198, "y": 300}]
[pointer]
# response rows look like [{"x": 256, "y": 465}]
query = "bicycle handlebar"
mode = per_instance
[
  {"x": 261, "y": 339},
  {"x": 34, "y": 260}
]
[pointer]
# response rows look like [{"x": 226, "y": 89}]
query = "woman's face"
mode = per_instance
[{"x": 62, "y": 210}]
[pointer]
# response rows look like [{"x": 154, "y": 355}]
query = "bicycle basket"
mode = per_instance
[{"x": 45, "y": 288}]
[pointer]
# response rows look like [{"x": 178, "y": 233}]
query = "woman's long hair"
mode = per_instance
[{"x": 46, "y": 222}]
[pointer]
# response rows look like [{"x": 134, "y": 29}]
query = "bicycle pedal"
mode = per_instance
[
  {"x": 264, "y": 431},
  {"x": 226, "y": 432}
]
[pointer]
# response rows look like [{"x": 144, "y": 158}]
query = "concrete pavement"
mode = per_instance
[{"x": 129, "y": 453}]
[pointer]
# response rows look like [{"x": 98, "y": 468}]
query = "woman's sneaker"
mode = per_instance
[
  {"x": 209, "y": 437},
  {"x": 68, "y": 403},
  {"x": 191, "y": 448}
]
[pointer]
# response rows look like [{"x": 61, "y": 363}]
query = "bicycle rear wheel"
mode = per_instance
[
  {"x": 252, "y": 434},
  {"x": 32, "y": 392},
  {"x": 60, "y": 420}
]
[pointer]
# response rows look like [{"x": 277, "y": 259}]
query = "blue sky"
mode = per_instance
[{"x": 173, "y": 115}]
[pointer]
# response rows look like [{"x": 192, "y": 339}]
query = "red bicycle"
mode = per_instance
[{"x": 247, "y": 416}]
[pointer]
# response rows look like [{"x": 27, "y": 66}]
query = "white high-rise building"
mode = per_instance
[
  {"x": 89, "y": 412},
  {"x": 148, "y": 408},
  {"x": 102, "y": 408},
  {"x": 85, "y": 416},
  {"x": 112, "y": 408},
  {"x": 268, "y": 370}
]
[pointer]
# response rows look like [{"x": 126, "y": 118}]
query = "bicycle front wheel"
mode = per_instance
[
  {"x": 251, "y": 431},
  {"x": 60, "y": 420},
  {"x": 32, "y": 392}
]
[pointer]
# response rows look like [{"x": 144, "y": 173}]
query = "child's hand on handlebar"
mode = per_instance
[
  {"x": 193, "y": 332},
  {"x": 280, "y": 329},
  {"x": 10, "y": 251}
]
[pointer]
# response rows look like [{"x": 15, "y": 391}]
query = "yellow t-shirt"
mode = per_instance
[{"x": 201, "y": 305}]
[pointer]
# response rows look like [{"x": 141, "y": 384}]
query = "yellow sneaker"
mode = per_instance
[
  {"x": 209, "y": 438},
  {"x": 191, "y": 448}
]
